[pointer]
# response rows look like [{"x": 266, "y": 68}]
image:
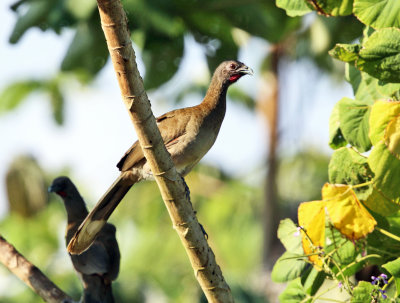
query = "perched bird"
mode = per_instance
[
  {"x": 99, "y": 265},
  {"x": 188, "y": 134}
]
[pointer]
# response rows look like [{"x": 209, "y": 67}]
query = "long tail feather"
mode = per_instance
[{"x": 97, "y": 218}]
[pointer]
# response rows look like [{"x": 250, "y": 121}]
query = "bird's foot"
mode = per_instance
[
  {"x": 204, "y": 231},
  {"x": 187, "y": 190}
]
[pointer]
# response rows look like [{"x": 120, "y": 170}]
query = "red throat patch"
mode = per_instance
[
  {"x": 234, "y": 78},
  {"x": 62, "y": 193}
]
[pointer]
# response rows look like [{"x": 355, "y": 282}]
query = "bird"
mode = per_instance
[
  {"x": 188, "y": 134},
  {"x": 99, "y": 265}
]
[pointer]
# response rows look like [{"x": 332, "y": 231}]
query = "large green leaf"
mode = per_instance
[
  {"x": 380, "y": 204},
  {"x": 287, "y": 233},
  {"x": 15, "y": 93},
  {"x": 369, "y": 89},
  {"x": 354, "y": 123},
  {"x": 393, "y": 268},
  {"x": 161, "y": 56},
  {"x": 294, "y": 7},
  {"x": 288, "y": 267},
  {"x": 294, "y": 293},
  {"x": 362, "y": 292},
  {"x": 386, "y": 168},
  {"x": 35, "y": 15},
  {"x": 88, "y": 50},
  {"x": 349, "y": 167},
  {"x": 292, "y": 263},
  {"x": 313, "y": 281},
  {"x": 336, "y": 138},
  {"x": 378, "y": 13},
  {"x": 380, "y": 55},
  {"x": 382, "y": 112}
]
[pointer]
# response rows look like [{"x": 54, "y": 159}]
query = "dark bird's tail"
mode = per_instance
[
  {"x": 97, "y": 218},
  {"x": 96, "y": 289}
]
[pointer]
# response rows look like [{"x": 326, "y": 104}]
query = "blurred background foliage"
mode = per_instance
[{"x": 154, "y": 267}]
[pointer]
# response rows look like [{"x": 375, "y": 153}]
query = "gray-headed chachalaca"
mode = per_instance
[
  {"x": 98, "y": 266},
  {"x": 188, "y": 134}
]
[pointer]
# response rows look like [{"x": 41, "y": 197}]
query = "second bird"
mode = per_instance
[
  {"x": 188, "y": 134},
  {"x": 99, "y": 265}
]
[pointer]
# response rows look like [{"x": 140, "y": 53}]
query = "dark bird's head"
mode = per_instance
[
  {"x": 62, "y": 186},
  {"x": 229, "y": 72}
]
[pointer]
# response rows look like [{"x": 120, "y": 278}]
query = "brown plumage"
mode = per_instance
[
  {"x": 188, "y": 134},
  {"x": 98, "y": 266}
]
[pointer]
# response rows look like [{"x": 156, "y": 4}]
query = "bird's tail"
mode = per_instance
[
  {"x": 97, "y": 218},
  {"x": 96, "y": 289}
]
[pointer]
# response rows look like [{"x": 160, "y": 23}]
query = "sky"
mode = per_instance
[{"x": 98, "y": 131}]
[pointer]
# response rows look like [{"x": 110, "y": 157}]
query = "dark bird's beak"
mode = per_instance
[
  {"x": 245, "y": 70},
  {"x": 53, "y": 188}
]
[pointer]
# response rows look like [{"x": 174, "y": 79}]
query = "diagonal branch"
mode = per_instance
[
  {"x": 171, "y": 185},
  {"x": 30, "y": 274}
]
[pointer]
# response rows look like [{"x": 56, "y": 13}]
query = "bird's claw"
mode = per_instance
[
  {"x": 204, "y": 231},
  {"x": 187, "y": 190}
]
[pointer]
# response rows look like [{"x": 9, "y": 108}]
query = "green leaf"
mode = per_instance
[
  {"x": 393, "y": 268},
  {"x": 81, "y": 9},
  {"x": 382, "y": 112},
  {"x": 362, "y": 292},
  {"x": 380, "y": 55},
  {"x": 378, "y": 13},
  {"x": 161, "y": 56},
  {"x": 294, "y": 293},
  {"x": 378, "y": 203},
  {"x": 288, "y": 267},
  {"x": 333, "y": 7},
  {"x": 349, "y": 167},
  {"x": 354, "y": 123},
  {"x": 34, "y": 16},
  {"x": 345, "y": 52},
  {"x": 369, "y": 89},
  {"x": 57, "y": 101},
  {"x": 386, "y": 168},
  {"x": 313, "y": 281},
  {"x": 336, "y": 138},
  {"x": 287, "y": 233},
  {"x": 14, "y": 94},
  {"x": 294, "y": 7},
  {"x": 88, "y": 51}
]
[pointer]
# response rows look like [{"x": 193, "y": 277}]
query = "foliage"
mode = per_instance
[
  {"x": 153, "y": 261},
  {"x": 159, "y": 29},
  {"x": 356, "y": 223}
]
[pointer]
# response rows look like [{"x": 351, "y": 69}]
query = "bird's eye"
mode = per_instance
[{"x": 233, "y": 66}]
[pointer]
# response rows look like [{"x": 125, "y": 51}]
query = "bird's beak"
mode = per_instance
[
  {"x": 245, "y": 70},
  {"x": 50, "y": 189}
]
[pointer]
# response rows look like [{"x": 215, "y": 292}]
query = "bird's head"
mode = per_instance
[
  {"x": 230, "y": 71},
  {"x": 61, "y": 186}
]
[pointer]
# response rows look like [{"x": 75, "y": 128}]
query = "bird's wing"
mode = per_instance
[
  {"x": 172, "y": 126},
  {"x": 95, "y": 260}
]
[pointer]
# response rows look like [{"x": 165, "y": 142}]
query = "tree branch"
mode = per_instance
[
  {"x": 171, "y": 185},
  {"x": 30, "y": 274}
]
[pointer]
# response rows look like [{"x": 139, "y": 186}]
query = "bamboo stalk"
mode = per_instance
[{"x": 171, "y": 185}]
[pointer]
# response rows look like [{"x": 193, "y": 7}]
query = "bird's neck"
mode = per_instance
[
  {"x": 215, "y": 99},
  {"x": 75, "y": 211}
]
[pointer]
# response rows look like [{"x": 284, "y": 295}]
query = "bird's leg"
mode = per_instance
[
  {"x": 187, "y": 190},
  {"x": 204, "y": 231}
]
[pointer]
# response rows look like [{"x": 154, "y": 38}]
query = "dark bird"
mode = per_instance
[
  {"x": 99, "y": 265},
  {"x": 188, "y": 134}
]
